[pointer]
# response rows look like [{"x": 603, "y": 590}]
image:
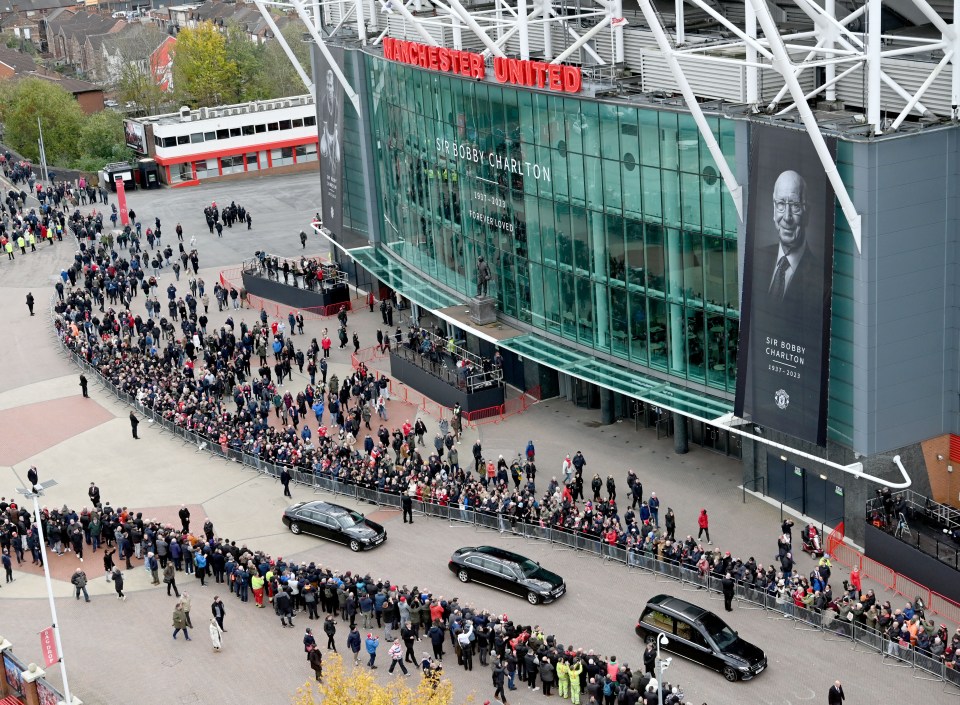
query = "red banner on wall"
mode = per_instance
[
  {"x": 122, "y": 200},
  {"x": 48, "y": 645}
]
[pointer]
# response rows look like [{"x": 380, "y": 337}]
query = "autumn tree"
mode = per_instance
[
  {"x": 358, "y": 687},
  {"x": 203, "y": 72},
  {"x": 23, "y": 101}
]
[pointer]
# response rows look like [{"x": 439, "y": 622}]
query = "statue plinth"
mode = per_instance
[{"x": 483, "y": 310}]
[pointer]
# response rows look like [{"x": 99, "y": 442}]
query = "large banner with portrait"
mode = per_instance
[
  {"x": 783, "y": 361},
  {"x": 330, "y": 97}
]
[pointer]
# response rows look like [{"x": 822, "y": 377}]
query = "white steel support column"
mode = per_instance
[
  {"x": 278, "y": 35},
  {"x": 523, "y": 29},
  {"x": 616, "y": 12},
  {"x": 955, "y": 67},
  {"x": 947, "y": 58},
  {"x": 783, "y": 66},
  {"x": 678, "y": 12},
  {"x": 456, "y": 8},
  {"x": 828, "y": 35},
  {"x": 752, "y": 73},
  {"x": 653, "y": 21},
  {"x": 582, "y": 40},
  {"x": 371, "y": 11},
  {"x": 874, "y": 15},
  {"x": 401, "y": 7},
  {"x": 457, "y": 31},
  {"x": 548, "y": 29},
  {"x": 361, "y": 22},
  {"x": 334, "y": 66}
]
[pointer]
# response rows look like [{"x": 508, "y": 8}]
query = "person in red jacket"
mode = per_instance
[{"x": 704, "y": 522}]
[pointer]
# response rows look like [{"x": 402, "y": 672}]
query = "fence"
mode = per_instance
[
  {"x": 859, "y": 635},
  {"x": 276, "y": 310},
  {"x": 13, "y": 668},
  {"x": 889, "y": 578},
  {"x": 919, "y": 510},
  {"x": 491, "y": 414},
  {"x": 515, "y": 405}
]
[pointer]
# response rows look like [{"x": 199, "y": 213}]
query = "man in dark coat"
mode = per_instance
[
  {"x": 727, "y": 584},
  {"x": 835, "y": 695}
]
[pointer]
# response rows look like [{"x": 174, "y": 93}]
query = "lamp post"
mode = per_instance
[
  {"x": 34, "y": 492},
  {"x": 662, "y": 665},
  {"x": 43, "y": 152}
]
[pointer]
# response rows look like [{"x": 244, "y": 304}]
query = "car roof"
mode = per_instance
[
  {"x": 500, "y": 553},
  {"x": 327, "y": 507},
  {"x": 678, "y": 606}
]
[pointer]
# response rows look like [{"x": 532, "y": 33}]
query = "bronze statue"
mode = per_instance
[{"x": 483, "y": 276}]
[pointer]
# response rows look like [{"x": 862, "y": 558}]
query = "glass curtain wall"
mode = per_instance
[{"x": 603, "y": 223}]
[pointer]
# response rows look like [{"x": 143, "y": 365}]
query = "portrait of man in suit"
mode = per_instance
[
  {"x": 787, "y": 286},
  {"x": 791, "y": 260},
  {"x": 795, "y": 272}
]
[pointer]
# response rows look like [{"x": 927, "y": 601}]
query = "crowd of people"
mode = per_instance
[
  {"x": 325, "y": 428},
  {"x": 229, "y": 216},
  {"x": 305, "y": 272},
  {"x": 343, "y": 603}
]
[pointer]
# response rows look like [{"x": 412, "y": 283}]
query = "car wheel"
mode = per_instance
[
  {"x": 533, "y": 598},
  {"x": 354, "y": 545},
  {"x": 295, "y": 528},
  {"x": 730, "y": 673},
  {"x": 464, "y": 576}
]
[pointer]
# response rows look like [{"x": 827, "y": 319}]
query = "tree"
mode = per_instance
[
  {"x": 203, "y": 73},
  {"x": 249, "y": 56},
  {"x": 23, "y": 101},
  {"x": 359, "y": 688},
  {"x": 101, "y": 141},
  {"x": 277, "y": 73}
]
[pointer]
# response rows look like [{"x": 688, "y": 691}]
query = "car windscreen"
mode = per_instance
[
  {"x": 349, "y": 519},
  {"x": 721, "y": 634},
  {"x": 528, "y": 567}
]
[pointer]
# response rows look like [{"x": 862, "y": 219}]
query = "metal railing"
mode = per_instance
[
  {"x": 250, "y": 301},
  {"x": 332, "y": 274},
  {"x": 919, "y": 509},
  {"x": 440, "y": 365},
  {"x": 337, "y": 482}
]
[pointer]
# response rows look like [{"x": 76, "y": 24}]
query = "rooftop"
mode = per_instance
[{"x": 227, "y": 110}]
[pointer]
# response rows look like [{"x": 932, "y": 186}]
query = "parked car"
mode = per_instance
[
  {"x": 700, "y": 636},
  {"x": 110, "y": 103},
  {"x": 507, "y": 571},
  {"x": 334, "y": 523}
]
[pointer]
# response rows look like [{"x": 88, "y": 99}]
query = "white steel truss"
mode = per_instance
[{"x": 835, "y": 39}]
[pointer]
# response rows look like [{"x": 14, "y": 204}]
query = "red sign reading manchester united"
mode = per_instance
[{"x": 520, "y": 72}]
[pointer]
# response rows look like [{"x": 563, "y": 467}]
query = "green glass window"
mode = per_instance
[
  {"x": 649, "y": 137},
  {"x": 625, "y": 242}
]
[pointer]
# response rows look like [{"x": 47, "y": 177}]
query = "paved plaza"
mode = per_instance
[{"x": 118, "y": 651}]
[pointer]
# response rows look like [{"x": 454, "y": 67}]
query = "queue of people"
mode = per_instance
[{"x": 342, "y": 602}]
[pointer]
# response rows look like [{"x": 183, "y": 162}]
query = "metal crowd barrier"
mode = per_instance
[{"x": 833, "y": 628}]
